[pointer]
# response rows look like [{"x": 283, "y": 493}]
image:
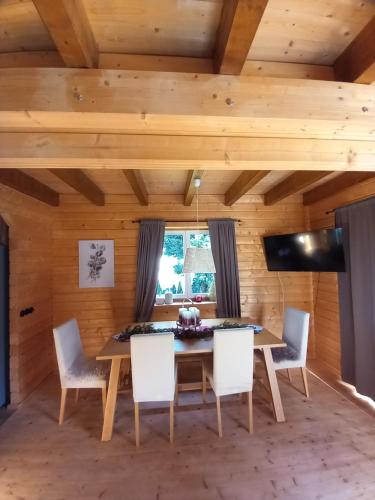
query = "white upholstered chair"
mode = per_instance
[
  {"x": 76, "y": 371},
  {"x": 295, "y": 335},
  {"x": 232, "y": 368},
  {"x": 153, "y": 373}
]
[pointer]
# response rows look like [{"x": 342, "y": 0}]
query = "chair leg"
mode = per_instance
[
  {"x": 304, "y": 377},
  {"x": 204, "y": 383},
  {"x": 250, "y": 403},
  {"x": 104, "y": 398},
  {"x": 136, "y": 420},
  {"x": 176, "y": 390},
  {"x": 76, "y": 396},
  {"x": 218, "y": 408},
  {"x": 171, "y": 421},
  {"x": 290, "y": 375},
  {"x": 62, "y": 405}
]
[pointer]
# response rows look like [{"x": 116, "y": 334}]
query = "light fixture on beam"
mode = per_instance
[{"x": 198, "y": 260}]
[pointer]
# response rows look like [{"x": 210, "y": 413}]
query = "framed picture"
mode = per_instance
[{"x": 96, "y": 264}]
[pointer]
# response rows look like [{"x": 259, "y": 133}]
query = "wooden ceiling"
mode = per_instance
[{"x": 131, "y": 111}]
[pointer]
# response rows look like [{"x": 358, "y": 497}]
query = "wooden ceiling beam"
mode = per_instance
[
  {"x": 78, "y": 180},
  {"x": 136, "y": 181},
  {"x": 336, "y": 185},
  {"x": 140, "y": 62},
  {"x": 68, "y": 25},
  {"x": 190, "y": 188},
  {"x": 119, "y": 101},
  {"x": 291, "y": 185},
  {"x": 243, "y": 184},
  {"x": 25, "y": 184},
  {"x": 357, "y": 62},
  {"x": 69, "y": 150},
  {"x": 238, "y": 24}
]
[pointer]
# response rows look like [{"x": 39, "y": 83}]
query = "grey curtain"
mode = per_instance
[
  {"x": 357, "y": 296},
  {"x": 150, "y": 249},
  {"x": 224, "y": 251}
]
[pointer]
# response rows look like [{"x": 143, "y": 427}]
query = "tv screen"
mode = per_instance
[{"x": 312, "y": 251}]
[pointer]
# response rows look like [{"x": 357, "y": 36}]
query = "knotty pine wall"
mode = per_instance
[
  {"x": 30, "y": 224},
  {"x": 325, "y": 292},
  {"x": 101, "y": 312}
]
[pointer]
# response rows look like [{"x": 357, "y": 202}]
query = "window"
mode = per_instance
[{"x": 171, "y": 277}]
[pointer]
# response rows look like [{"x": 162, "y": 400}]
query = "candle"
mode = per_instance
[
  {"x": 181, "y": 314},
  {"x": 186, "y": 318}
]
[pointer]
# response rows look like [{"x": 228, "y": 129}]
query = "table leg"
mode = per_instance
[
  {"x": 274, "y": 386},
  {"x": 110, "y": 406}
]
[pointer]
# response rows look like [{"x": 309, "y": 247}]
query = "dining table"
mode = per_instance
[{"x": 116, "y": 351}]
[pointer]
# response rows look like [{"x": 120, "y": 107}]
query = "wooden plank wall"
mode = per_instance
[
  {"x": 101, "y": 312},
  {"x": 325, "y": 292},
  {"x": 30, "y": 224}
]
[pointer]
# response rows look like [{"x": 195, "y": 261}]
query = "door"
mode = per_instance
[{"x": 4, "y": 315}]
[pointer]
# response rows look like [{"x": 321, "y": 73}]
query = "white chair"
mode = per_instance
[
  {"x": 232, "y": 369},
  {"x": 295, "y": 335},
  {"x": 153, "y": 373},
  {"x": 76, "y": 371}
]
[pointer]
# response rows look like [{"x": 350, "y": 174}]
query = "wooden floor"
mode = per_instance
[{"x": 326, "y": 450}]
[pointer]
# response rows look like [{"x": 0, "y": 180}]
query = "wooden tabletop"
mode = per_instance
[{"x": 114, "y": 349}]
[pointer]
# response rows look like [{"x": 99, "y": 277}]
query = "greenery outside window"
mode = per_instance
[{"x": 171, "y": 277}]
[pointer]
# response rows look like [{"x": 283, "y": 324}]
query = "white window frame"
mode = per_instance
[{"x": 186, "y": 276}]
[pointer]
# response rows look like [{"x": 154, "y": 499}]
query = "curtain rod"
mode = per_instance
[{"x": 184, "y": 221}]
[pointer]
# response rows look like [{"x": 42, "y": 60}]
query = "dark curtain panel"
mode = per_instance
[
  {"x": 150, "y": 249},
  {"x": 357, "y": 296},
  {"x": 224, "y": 251}
]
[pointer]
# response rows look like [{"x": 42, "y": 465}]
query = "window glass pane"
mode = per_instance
[
  {"x": 200, "y": 240},
  {"x": 171, "y": 278},
  {"x": 201, "y": 283}
]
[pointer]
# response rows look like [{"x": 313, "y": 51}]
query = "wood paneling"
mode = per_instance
[
  {"x": 165, "y": 27},
  {"x": 101, "y": 312},
  {"x": 30, "y": 224},
  {"x": 64, "y": 99},
  {"x": 21, "y": 27},
  {"x": 325, "y": 293},
  {"x": 314, "y": 32}
]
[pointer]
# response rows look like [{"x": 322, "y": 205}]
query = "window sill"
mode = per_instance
[{"x": 180, "y": 303}]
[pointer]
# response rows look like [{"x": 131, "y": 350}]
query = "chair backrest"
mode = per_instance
[
  {"x": 68, "y": 345},
  {"x": 233, "y": 360},
  {"x": 153, "y": 366},
  {"x": 296, "y": 331}
]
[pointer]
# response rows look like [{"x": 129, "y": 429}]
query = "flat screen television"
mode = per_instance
[{"x": 311, "y": 251}]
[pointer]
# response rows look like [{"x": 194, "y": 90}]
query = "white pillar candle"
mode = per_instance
[
  {"x": 186, "y": 318},
  {"x": 181, "y": 313}
]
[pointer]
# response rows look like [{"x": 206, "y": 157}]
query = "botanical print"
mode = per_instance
[
  {"x": 96, "y": 264},
  {"x": 96, "y": 261}
]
